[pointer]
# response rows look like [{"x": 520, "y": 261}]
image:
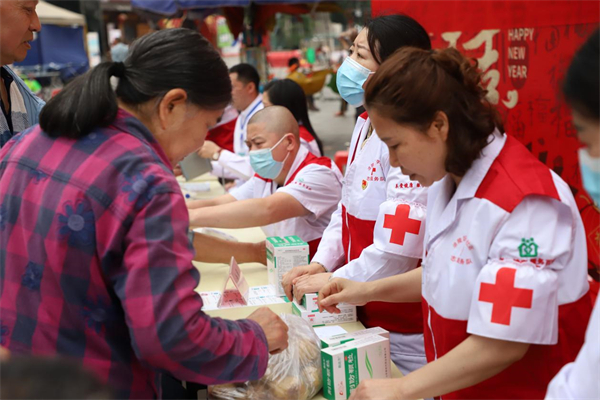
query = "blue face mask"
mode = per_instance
[
  {"x": 351, "y": 77},
  {"x": 590, "y": 173},
  {"x": 263, "y": 163}
]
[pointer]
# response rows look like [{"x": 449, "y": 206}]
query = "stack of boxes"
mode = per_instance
[{"x": 349, "y": 358}]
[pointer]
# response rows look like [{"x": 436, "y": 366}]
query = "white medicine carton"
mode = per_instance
[
  {"x": 315, "y": 318},
  {"x": 309, "y": 301},
  {"x": 342, "y": 338},
  {"x": 283, "y": 254},
  {"x": 345, "y": 366}
]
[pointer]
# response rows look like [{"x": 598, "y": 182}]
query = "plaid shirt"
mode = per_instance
[{"x": 95, "y": 264}]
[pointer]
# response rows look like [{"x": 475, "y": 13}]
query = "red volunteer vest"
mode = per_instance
[
  {"x": 357, "y": 234},
  {"x": 506, "y": 186}
]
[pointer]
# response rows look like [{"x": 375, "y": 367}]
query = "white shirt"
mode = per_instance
[
  {"x": 372, "y": 193},
  {"x": 315, "y": 182},
  {"x": 581, "y": 378},
  {"x": 236, "y": 164},
  {"x": 505, "y": 258}
]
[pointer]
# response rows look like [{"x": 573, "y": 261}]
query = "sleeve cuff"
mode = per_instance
[{"x": 264, "y": 358}]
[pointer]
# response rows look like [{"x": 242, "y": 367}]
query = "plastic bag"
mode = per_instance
[{"x": 294, "y": 374}]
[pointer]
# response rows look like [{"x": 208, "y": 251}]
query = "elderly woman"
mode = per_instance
[{"x": 94, "y": 250}]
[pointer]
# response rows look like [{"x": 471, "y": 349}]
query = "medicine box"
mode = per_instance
[
  {"x": 345, "y": 366},
  {"x": 309, "y": 301},
  {"x": 283, "y": 254},
  {"x": 348, "y": 314},
  {"x": 342, "y": 338}
]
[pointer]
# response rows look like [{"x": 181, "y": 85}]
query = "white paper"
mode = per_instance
[
  {"x": 196, "y": 186},
  {"x": 324, "y": 332},
  {"x": 257, "y": 296}
]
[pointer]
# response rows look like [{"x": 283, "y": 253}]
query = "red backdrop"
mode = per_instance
[{"x": 523, "y": 48}]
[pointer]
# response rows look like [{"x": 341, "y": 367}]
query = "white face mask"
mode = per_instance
[
  {"x": 264, "y": 164},
  {"x": 351, "y": 77},
  {"x": 590, "y": 174}
]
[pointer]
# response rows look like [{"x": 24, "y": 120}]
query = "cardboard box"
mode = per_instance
[
  {"x": 283, "y": 254},
  {"x": 348, "y": 314},
  {"x": 345, "y": 366},
  {"x": 309, "y": 301},
  {"x": 342, "y": 338}
]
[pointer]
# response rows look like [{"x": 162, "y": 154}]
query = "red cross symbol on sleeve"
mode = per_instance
[
  {"x": 504, "y": 296},
  {"x": 401, "y": 224}
]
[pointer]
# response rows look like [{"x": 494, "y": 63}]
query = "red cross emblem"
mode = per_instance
[
  {"x": 504, "y": 296},
  {"x": 401, "y": 224}
]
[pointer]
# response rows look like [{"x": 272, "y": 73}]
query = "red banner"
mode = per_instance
[{"x": 523, "y": 49}]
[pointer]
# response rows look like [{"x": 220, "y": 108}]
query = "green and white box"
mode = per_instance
[
  {"x": 347, "y": 314},
  {"x": 342, "y": 338},
  {"x": 309, "y": 301},
  {"x": 283, "y": 254},
  {"x": 345, "y": 366}
]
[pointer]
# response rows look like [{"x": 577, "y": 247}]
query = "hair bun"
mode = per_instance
[{"x": 464, "y": 70}]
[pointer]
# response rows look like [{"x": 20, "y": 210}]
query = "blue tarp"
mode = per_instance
[
  {"x": 58, "y": 48},
  {"x": 172, "y": 7}
]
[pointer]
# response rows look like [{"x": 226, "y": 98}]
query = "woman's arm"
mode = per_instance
[{"x": 476, "y": 359}]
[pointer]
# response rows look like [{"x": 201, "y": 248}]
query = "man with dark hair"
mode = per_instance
[
  {"x": 247, "y": 99},
  {"x": 20, "y": 107}
]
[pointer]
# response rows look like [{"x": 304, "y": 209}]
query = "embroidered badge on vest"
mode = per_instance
[{"x": 528, "y": 248}]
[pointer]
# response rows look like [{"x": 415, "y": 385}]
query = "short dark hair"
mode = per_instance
[
  {"x": 414, "y": 84},
  {"x": 293, "y": 61},
  {"x": 26, "y": 377},
  {"x": 157, "y": 62},
  {"x": 388, "y": 33},
  {"x": 287, "y": 93},
  {"x": 246, "y": 74},
  {"x": 581, "y": 86}
]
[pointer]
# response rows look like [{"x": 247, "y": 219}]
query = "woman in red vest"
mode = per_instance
[
  {"x": 503, "y": 282},
  {"x": 377, "y": 230}
]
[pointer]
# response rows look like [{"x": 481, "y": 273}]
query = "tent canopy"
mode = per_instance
[
  {"x": 170, "y": 8},
  {"x": 50, "y": 14},
  {"x": 59, "y": 46}
]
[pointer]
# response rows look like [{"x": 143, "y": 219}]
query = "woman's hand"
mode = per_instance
[
  {"x": 309, "y": 284},
  {"x": 377, "y": 389},
  {"x": 290, "y": 277},
  {"x": 343, "y": 291}
]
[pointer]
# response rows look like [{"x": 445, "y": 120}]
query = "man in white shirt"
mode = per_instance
[
  {"x": 247, "y": 100},
  {"x": 292, "y": 193}
]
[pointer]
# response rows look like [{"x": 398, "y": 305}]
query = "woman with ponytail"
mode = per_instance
[
  {"x": 94, "y": 250},
  {"x": 503, "y": 282}
]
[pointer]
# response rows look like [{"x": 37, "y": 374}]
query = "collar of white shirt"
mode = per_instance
[
  {"x": 244, "y": 114},
  {"x": 474, "y": 176},
  {"x": 302, "y": 154}
]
